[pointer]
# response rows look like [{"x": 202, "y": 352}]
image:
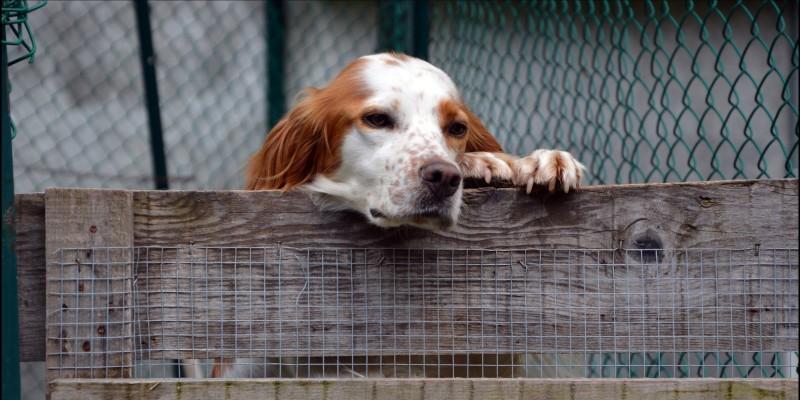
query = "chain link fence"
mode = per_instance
[
  {"x": 322, "y": 38},
  {"x": 212, "y": 86},
  {"x": 79, "y": 110},
  {"x": 81, "y": 105},
  {"x": 639, "y": 91}
]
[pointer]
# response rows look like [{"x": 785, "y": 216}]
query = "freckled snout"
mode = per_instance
[{"x": 441, "y": 178}]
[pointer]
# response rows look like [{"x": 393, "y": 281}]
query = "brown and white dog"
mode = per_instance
[{"x": 391, "y": 138}]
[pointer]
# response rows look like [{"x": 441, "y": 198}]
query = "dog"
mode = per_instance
[{"x": 391, "y": 138}]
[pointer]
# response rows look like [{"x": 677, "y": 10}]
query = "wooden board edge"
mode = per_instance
[{"x": 426, "y": 389}]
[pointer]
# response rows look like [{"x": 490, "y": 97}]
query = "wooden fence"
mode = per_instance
[{"x": 737, "y": 214}]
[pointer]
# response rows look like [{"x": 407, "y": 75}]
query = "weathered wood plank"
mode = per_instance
[
  {"x": 710, "y": 214},
  {"x": 31, "y": 275},
  {"x": 99, "y": 343},
  {"x": 428, "y": 389},
  {"x": 206, "y": 303}
]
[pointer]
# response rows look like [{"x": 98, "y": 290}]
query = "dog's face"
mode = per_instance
[
  {"x": 384, "y": 138},
  {"x": 399, "y": 158}
]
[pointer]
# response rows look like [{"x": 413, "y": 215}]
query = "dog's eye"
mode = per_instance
[
  {"x": 457, "y": 129},
  {"x": 378, "y": 120}
]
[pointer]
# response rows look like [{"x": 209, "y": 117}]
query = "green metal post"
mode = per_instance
[
  {"x": 403, "y": 26},
  {"x": 148, "y": 57},
  {"x": 10, "y": 324},
  {"x": 276, "y": 56},
  {"x": 421, "y": 27},
  {"x": 393, "y": 26}
]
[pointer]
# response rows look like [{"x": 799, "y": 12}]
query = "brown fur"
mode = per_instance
[
  {"x": 478, "y": 137},
  {"x": 306, "y": 141},
  {"x": 450, "y": 112}
]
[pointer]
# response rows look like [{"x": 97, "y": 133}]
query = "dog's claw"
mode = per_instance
[
  {"x": 486, "y": 166},
  {"x": 550, "y": 168}
]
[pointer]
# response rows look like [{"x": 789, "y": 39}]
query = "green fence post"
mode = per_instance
[
  {"x": 275, "y": 14},
  {"x": 148, "y": 57},
  {"x": 393, "y": 26},
  {"x": 10, "y": 325},
  {"x": 421, "y": 27},
  {"x": 403, "y": 26}
]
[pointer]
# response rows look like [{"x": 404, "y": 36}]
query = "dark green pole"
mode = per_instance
[
  {"x": 276, "y": 56},
  {"x": 421, "y": 27},
  {"x": 404, "y": 26},
  {"x": 393, "y": 26},
  {"x": 148, "y": 58},
  {"x": 10, "y": 325}
]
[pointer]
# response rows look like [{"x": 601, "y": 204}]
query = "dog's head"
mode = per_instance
[{"x": 384, "y": 138}]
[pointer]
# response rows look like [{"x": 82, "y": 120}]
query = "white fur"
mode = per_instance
[{"x": 379, "y": 168}]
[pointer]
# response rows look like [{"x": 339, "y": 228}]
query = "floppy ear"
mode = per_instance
[
  {"x": 297, "y": 149},
  {"x": 479, "y": 138}
]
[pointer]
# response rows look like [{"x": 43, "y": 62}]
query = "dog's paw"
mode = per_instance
[
  {"x": 488, "y": 166},
  {"x": 553, "y": 169}
]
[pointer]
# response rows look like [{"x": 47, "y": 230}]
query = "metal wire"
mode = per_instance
[
  {"x": 19, "y": 40},
  {"x": 323, "y": 37},
  {"x": 15, "y": 16},
  {"x": 287, "y": 312},
  {"x": 639, "y": 91},
  {"x": 81, "y": 105}
]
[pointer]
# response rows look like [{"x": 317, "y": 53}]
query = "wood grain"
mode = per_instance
[
  {"x": 88, "y": 218},
  {"x": 298, "y": 302},
  {"x": 733, "y": 214},
  {"x": 31, "y": 275},
  {"x": 716, "y": 214},
  {"x": 428, "y": 389}
]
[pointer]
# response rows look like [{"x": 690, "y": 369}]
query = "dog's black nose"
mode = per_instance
[{"x": 442, "y": 178}]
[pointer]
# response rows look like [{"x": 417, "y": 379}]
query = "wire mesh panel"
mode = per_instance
[
  {"x": 285, "y": 312},
  {"x": 639, "y": 91},
  {"x": 91, "y": 330}
]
